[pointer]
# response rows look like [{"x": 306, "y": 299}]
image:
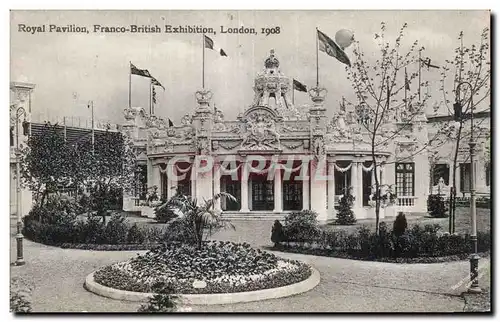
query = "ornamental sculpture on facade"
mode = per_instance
[{"x": 261, "y": 132}]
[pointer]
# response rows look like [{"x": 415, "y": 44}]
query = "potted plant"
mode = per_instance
[{"x": 387, "y": 198}]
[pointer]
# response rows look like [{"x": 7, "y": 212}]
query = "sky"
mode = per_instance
[{"x": 69, "y": 69}]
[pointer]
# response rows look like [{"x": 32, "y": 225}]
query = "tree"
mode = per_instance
[
  {"x": 46, "y": 163},
  {"x": 203, "y": 218},
  {"x": 384, "y": 95},
  {"x": 469, "y": 65},
  {"x": 106, "y": 168},
  {"x": 345, "y": 215}
]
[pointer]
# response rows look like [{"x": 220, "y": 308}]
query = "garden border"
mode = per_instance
[{"x": 209, "y": 299}]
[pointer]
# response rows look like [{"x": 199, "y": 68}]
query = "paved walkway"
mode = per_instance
[{"x": 346, "y": 285}]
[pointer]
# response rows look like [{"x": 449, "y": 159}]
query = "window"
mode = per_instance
[
  {"x": 141, "y": 182},
  {"x": 465, "y": 177},
  {"x": 441, "y": 171},
  {"x": 405, "y": 179},
  {"x": 342, "y": 179},
  {"x": 292, "y": 195},
  {"x": 11, "y": 136}
]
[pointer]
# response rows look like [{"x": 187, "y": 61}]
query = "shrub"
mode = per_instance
[
  {"x": 91, "y": 230},
  {"x": 436, "y": 206},
  {"x": 400, "y": 225},
  {"x": 345, "y": 215},
  {"x": 483, "y": 241},
  {"x": 277, "y": 233},
  {"x": 159, "y": 303},
  {"x": 383, "y": 247},
  {"x": 20, "y": 293},
  {"x": 116, "y": 230},
  {"x": 179, "y": 230},
  {"x": 164, "y": 212},
  {"x": 301, "y": 226},
  {"x": 135, "y": 235}
]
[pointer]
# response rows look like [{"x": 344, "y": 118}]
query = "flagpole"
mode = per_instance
[
  {"x": 93, "y": 132},
  {"x": 419, "y": 73},
  {"x": 406, "y": 88},
  {"x": 129, "y": 84},
  {"x": 150, "y": 97},
  {"x": 293, "y": 92},
  {"x": 317, "y": 59},
  {"x": 203, "y": 63}
]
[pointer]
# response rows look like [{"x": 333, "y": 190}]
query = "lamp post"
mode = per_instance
[
  {"x": 19, "y": 236},
  {"x": 474, "y": 259}
]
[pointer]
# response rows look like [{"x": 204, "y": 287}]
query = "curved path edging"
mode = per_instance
[{"x": 209, "y": 299}]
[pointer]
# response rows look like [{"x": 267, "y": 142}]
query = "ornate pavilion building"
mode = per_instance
[
  {"x": 302, "y": 141},
  {"x": 276, "y": 157}
]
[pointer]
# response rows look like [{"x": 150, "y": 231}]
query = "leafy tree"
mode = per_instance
[
  {"x": 46, "y": 163},
  {"x": 106, "y": 168},
  {"x": 203, "y": 218},
  {"x": 469, "y": 65}
]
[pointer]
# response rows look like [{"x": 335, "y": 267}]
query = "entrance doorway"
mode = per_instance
[
  {"x": 292, "y": 195},
  {"x": 232, "y": 187},
  {"x": 262, "y": 194}
]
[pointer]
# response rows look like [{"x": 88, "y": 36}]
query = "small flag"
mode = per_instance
[
  {"x": 427, "y": 63},
  {"x": 329, "y": 46},
  {"x": 407, "y": 83},
  {"x": 209, "y": 43},
  {"x": 298, "y": 86},
  {"x": 141, "y": 72},
  {"x": 155, "y": 82},
  {"x": 170, "y": 123},
  {"x": 154, "y": 95}
]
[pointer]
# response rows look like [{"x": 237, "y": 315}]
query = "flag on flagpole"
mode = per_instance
[
  {"x": 427, "y": 62},
  {"x": 328, "y": 46},
  {"x": 155, "y": 82},
  {"x": 209, "y": 43},
  {"x": 298, "y": 86},
  {"x": 140, "y": 72}
]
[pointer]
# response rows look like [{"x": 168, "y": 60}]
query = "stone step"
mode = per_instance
[{"x": 255, "y": 215}]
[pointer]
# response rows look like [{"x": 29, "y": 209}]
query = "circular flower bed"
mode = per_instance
[{"x": 218, "y": 267}]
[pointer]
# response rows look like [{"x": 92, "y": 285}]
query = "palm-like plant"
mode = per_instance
[{"x": 203, "y": 218}]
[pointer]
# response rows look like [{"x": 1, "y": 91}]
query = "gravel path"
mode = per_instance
[{"x": 346, "y": 285}]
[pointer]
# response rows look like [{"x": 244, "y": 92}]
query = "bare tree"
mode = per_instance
[
  {"x": 384, "y": 95},
  {"x": 470, "y": 65}
]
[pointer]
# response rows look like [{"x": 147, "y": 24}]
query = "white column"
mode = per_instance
[
  {"x": 331, "y": 189},
  {"x": 355, "y": 183},
  {"x": 171, "y": 180},
  {"x": 305, "y": 186},
  {"x": 156, "y": 178},
  {"x": 244, "y": 186},
  {"x": 150, "y": 173},
  {"x": 318, "y": 191},
  {"x": 360, "y": 183},
  {"x": 278, "y": 199},
  {"x": 216, "y": 186}
]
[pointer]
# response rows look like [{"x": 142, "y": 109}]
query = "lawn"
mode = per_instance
[{"x": 462, "y": 221}]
